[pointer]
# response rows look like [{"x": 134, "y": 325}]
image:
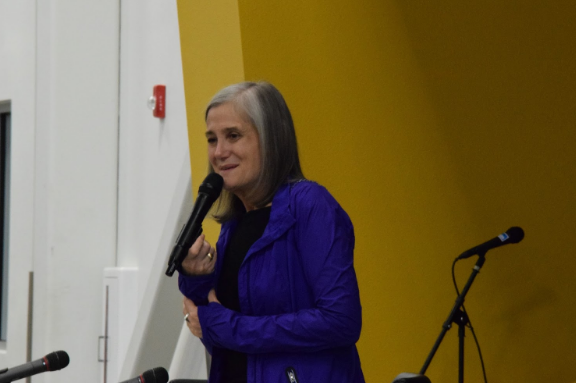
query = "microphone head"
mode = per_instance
[
  {"x": 212, "y": 186},
  {"x": 155, "y": 375},
  {"x": 515, "y": 234},
  {"x": 56, "y": 360}
]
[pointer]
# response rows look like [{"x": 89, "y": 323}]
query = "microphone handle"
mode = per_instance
[
  {"x": 138, "y": 379},
  {"x": 23, "y": 371},
  {"x": 180, "y": 251},
  {"x": 190, "y": 232}
]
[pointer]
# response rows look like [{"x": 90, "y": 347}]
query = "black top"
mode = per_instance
[{"x": 250, "y": 228}]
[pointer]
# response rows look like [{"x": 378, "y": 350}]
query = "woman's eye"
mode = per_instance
[
  {"x": 234, "y": 136},
  {"x": 211, "y": 140}
]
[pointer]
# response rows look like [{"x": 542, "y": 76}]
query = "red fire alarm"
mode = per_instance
[{"x": 158, "y": 101}]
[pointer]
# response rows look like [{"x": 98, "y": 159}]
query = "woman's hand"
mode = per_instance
[
  {"x": 201, "y": 258},
  {"x": 190, "y": 311}
]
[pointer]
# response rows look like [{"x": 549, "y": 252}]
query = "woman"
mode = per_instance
[{"x": 277, "y": 300}]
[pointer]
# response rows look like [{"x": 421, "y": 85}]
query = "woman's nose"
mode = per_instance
[{"x": 222, "y": 149}]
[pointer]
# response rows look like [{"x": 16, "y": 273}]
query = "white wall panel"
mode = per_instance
[
  {"x": 17, "y": 84},
  {"x": 76, "y": 177},
  {"x": 154, "y": 176},
  {"x": 152, "y": 150},
  {"x": 94, "y": 174}
]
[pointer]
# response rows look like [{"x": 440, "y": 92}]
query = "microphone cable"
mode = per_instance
[{"x": 469, "y": 325}]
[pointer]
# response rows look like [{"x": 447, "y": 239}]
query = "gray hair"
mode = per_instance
[{"x": 264, "y": 107}]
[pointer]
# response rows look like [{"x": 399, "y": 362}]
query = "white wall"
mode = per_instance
[
  {"x": 17, "y": 84},
  {"x": 75, "y": 173},
  {"x": 152, "y": 150},
  {"x": 94, "y": 175},
  {"x": 154, "y": 175}
]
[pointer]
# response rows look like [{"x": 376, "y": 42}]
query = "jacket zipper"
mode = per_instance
[{"x": 291, "y": 374}]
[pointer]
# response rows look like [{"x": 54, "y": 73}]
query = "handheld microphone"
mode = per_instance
[
  {"x": 513, "y": 235},
  {"x": 208, "y": 193},
  {"x": 155, "y": 375},
  {"x": 52, "y": 362}
]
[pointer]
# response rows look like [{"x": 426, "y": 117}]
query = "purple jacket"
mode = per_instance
[{"x": 301, "y": 313}]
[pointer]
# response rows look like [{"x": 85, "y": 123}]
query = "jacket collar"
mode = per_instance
[{"x": 281, "y": 219}]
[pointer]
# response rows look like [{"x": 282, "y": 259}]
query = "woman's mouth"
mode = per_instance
[{"x": 227, "y": 167}]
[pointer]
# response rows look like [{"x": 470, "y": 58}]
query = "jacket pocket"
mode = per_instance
[{"x": 291, "y": 374}]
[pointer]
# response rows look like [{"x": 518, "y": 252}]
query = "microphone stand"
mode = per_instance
[{"x": 458, "y": 316}]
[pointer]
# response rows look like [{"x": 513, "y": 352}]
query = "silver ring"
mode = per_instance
[
  {"x": 210, "y": 256},
  {"x": 186, "y": 317}
]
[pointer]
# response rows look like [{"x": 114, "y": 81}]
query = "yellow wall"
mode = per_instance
[
  {"x": 436, "y": 126},
  {"x": 211, "y": 60}
]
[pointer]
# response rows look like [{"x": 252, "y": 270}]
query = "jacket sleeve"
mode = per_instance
[
  {"x": 196, "y": 288},
  {"x": 325, "y": 242}
]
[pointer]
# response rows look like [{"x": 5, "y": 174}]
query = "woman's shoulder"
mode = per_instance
[
  {"x": 310, "y": 200},
  {"x": 309, "y": 192},
  {"x": 304, "y": 187}
]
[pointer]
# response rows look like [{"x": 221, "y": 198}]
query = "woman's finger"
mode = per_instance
[
  {"x": 197, "y": 246},
  {"x": 212, "y": 297},
  {"x": 199, "y": 260}
]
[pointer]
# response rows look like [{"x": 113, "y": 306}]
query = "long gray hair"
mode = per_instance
[{"x": 264, "y": 107}]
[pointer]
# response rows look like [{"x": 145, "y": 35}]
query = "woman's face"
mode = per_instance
[{"x": 233, "y": 150}]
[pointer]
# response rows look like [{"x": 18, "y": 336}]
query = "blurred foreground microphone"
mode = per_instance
[
  {"x": 513, "y": 235},
  {"x": 155, "y": 375},
  {"x": 407, "y": 377},
  {"x": 207, "y": 194},
  {"x": 52, "y": 362}
]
